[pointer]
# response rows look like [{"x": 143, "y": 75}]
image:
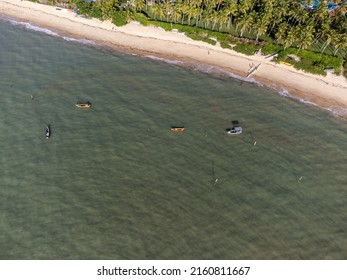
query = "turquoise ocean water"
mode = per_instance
[{"x": 113, "y": 182}]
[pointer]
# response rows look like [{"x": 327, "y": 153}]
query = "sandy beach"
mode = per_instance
[{"x": 329, "y": 92}]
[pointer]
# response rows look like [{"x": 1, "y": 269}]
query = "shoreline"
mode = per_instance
[{"x": 329, "y": 92}]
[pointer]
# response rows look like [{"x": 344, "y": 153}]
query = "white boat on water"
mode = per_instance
[{"x": 234, "y": 130}]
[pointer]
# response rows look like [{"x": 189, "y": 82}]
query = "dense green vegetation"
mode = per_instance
[{"x": 274, "y": 26}]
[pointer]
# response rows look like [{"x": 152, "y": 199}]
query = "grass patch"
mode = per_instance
[
  {"x": 225, "y": 45},
  {"x": 141, "y": 18},
  {"x": 269, "y": 48},
  {"x": 310, "y": 68},
  {"x": 165, "y": 25},
  {"x": 210, "y": 41}
]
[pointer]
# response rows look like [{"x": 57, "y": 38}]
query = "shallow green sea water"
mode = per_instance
[{"x": 113, "y": 182}]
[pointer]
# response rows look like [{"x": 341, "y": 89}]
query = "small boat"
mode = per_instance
[
  {"x": 234, "y": 130},
  {"x": 286, "y": 63},
  {"x": 48, "y": 131},
  {"x": 177, "y": 128},
  {"x": 80, "y": 104}
]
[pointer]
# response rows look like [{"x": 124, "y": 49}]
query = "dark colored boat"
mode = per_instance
[{"x": 48, "y": 131}]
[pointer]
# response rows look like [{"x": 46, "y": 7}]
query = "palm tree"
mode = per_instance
[
  {"x": 161, "y": 11},
  {"x": 208, "y": 12},
  {"x": 339, "y": 42},
  {"x": 218, "y": 4},
  {"x": 214, "y": 17},
  {"x": 278, "y": 14},
  {"x": 167, "y": 7},
  {"x": 224, "y": 18},
  {"x": 177, "y": 11},
  {"x": 183, "y": 6},
  {"x": 230, "y": 8},
  {"x": 290, "y": 38},
  {"x": 302, "y": 17},
  {"x": 328, "y": 35},
  {"x": 155, "y": 10},
  {"x": 245, "y": 22},
  {"x": 282, "y": 33},
  {"x": 304, "y": 36},
  {"x": 321, "y": 13},
  {"x": 244, "y": 6},
  {"x": 294, "y": 8},
  {"x": 136, "y": 5},
  {"x": 190, "y": 10},
  {"x": 261, "y": 26}
]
